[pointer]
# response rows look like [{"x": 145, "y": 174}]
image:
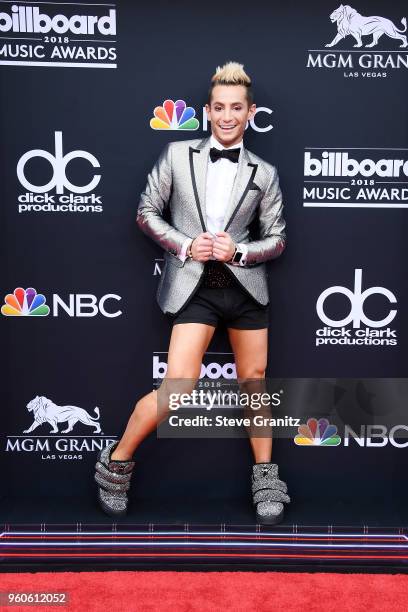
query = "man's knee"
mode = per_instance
[
  {"x": 251, "y": 371},
  {"x": 170, "y": 392}
]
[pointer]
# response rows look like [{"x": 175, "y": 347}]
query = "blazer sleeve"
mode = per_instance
[
  {"x": 153, "y": 201},
  {"x": 271, "y": 226}
]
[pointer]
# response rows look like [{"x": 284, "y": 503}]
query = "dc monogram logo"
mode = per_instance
[
  {"x": 59, "y": 164},
  {"x": 357, "y": 299}
]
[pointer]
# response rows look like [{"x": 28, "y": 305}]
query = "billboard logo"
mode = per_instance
[
  {"x": 222, "y": 369},
  {"x": 317, "y": 433},
  {"x": 63, "y": 39},
  {"x": 338, "y": 163},
  {"x": 29, "y": 19},
  {"x": 366, "y": 178},
  {"x": 174, "y": 116}
]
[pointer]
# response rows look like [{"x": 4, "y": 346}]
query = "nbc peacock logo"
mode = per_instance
[
  {"x": 174, "y": 116},
  {"x": 25, "y": 303},
  {"x": 317, "y": 433}
]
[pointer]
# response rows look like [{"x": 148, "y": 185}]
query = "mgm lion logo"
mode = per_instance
[
  {"x": 44, "y": 410},
  {"x": 350, "y": 22}
]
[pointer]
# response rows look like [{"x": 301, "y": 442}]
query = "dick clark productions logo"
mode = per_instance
[
  {"x": 40, "y": 197},
  {"x": 364, "y": 331}
]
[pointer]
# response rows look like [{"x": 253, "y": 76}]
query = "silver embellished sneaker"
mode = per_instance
[
  {"x": 113, "y": 478},
  {"x": 269, "y": 493}
]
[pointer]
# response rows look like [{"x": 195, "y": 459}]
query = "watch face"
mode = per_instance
[{"x": 238, "y": 257}]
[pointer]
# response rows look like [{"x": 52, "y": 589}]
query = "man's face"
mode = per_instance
[{"x": 229, "y": 113}]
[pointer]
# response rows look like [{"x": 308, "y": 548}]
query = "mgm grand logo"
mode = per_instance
[
  {"x": 365, "y": 32},
  {"x": 49, "y": 417}
]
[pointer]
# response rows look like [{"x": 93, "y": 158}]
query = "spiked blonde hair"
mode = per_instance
[{"x": 231, "y": 73}]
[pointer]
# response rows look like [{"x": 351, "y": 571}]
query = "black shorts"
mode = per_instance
[{"x": 231, "y": 305}]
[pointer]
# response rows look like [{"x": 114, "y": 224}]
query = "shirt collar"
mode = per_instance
[{"x": 214, "y": 143}]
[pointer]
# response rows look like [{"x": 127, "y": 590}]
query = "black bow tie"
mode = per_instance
[{"x": 231, "y": 154}]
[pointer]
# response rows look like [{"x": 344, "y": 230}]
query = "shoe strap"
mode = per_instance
[
  {"x": 111, "y": 486},
  {"x": 269, "y": 483},
  {"x": 270, "y": 495},
  {"x": 121, "y": 467},
  {"x": 111, "y": 476}
]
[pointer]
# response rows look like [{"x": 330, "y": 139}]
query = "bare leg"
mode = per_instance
[
  {"x": 250, "y": 348},
  {"x": 188, "y": 343}
]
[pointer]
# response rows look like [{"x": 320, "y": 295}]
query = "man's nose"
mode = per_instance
[{"x": 227, "y": 115}]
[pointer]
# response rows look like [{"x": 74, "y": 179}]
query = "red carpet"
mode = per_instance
[{"x": 211, "y": 591}]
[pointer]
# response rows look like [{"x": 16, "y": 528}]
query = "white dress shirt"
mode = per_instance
[{"x": 220, "y": 180}]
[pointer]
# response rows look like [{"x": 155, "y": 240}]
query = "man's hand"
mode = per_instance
[
  {"x": 201, "y": 247},
  {"x": 223, "y": 247}
]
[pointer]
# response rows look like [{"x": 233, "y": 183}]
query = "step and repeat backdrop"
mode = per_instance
[{"x": 88, "y": 92}]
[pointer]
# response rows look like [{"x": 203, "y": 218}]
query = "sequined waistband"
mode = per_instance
[{"x": 217, "y": 276}]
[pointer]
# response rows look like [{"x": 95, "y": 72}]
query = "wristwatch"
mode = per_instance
[{"x": 237, "y": 256}]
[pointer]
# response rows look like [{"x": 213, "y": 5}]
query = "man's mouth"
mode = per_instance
[{"x": 227, "y": 128}]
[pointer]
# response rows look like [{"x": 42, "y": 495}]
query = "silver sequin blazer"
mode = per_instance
[{"x": 178, "y": 180}]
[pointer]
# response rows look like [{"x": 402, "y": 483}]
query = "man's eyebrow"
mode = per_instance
[{"x": 222, "y": 103}]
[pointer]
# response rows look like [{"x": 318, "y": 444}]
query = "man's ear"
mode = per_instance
[
  {"x": 207, "y": 110},
  {"x": 252, "y": 111}
]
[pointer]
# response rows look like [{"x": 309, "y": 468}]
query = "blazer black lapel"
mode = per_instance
[
  {"x": 198, "y": 172},
  {"x": 243, "y": 183}
]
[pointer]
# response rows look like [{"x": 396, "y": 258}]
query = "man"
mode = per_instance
[{"x": 214, "y": 189}]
